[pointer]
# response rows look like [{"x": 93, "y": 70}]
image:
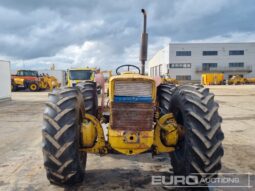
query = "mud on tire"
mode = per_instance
[
  {"x": 200, "y": 149},
  {"x": 63, "y": 161}
]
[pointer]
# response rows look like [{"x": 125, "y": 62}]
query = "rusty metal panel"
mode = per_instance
[{"x": 132, "y": 116}]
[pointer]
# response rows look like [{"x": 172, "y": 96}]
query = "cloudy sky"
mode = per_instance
[{"x": 106, "y": 33}]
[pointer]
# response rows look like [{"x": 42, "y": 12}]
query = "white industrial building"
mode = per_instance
[
  {"x": 187, "y": 61},
  {"x": 5, "y": 80}
]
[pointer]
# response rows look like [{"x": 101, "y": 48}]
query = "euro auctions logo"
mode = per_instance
[
  {"x": 190, "y": 180},
  {"x": 207, "y": 180}
]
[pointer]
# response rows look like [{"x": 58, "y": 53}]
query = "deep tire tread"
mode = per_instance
[
  {"x": 89, "y": 92},
  {"x": 202, "y": 144},
  {"x": 63, "y": 161}
]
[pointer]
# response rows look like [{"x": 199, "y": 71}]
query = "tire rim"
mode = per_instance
[{"x": 33, "y": 87}]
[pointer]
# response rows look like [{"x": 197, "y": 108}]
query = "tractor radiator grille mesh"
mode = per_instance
[{"x": 133, "y": 88}]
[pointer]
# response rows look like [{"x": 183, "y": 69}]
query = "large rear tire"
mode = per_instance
[
  {"x": 89, "y": 92},
  {"x": 200, "y": 149},
  {"x": 164, "y": 96},
  {"x": 64, "y": 163}
]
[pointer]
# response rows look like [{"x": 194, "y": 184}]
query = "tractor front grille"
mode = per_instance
[
  {"x": 133, "y": 88},
  {"x": 132, "y": 116}
]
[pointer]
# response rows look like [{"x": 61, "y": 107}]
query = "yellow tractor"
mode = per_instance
[{"x": 144, "y": 117}]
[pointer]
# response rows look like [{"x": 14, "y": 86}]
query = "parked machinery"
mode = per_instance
[
  {"x": 212, "y": 79},
  {"x": 236, "y": 80},
  {"x": 239, "y": 80},
  {"x": 48, "y": 82},
  {"x": 143, "y": 117},
  {"x": 78, "y": 75},
  {"x": 166, "y": 79},
  {"x": 29, "y": 79},
  {"x": 26, "y": 79},
  {"x": 250, "y": 80}
]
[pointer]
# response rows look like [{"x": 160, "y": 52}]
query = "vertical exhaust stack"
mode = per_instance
[{"x": 144, "y": 43}]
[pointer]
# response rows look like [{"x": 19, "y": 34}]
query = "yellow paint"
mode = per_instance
[
  {"x": 49, "y": 82},
  {"x": 163, "y": 139},
  {"x": 120, "y": 140},
  {"x": 70, "y": 82},
  {"x": 99, "y": 146},
  {"x": 235, "y": 80},
  {"x": 130, "y": 142},
  {"x": 33, "y": 87},
  {"x": 130, "y": 76},
  {"x": 89, "y": 133},
  {"x": 250, "y": 80},
  {"x": 166, "y": 134},
  {"x": 18, "y": 81},
  {"x": 212, "y": 78},
  {"x": 169, "y": 81}
]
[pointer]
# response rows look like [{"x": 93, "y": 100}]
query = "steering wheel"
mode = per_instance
[{"x": 128, "y": 66}]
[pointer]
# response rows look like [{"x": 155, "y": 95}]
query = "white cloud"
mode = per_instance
[
  {"x": 106, "y": 34},
  {"x": 231, "y": 37}
]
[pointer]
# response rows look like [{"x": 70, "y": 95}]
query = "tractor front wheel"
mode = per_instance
[
  {"x": 63, "y": 115},
  {"x": 199, "y": 150}
]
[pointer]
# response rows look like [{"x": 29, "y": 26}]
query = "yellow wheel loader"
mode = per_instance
[
  {"x": 166, "y": 79},
  {"x": 144, "y": 116},
  {"x": 236, "y": 80}
]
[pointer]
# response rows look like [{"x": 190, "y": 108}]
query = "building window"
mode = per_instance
[
  {"x": 183, "y": 77},
  {"x": 236, "y": 65},
  {"x": 210, "y": 53},
  {"x": 208, "y": 66},
  {"x": 183, "y": 53},
  {"x": 236, "y": 52},
  {"x": 179, "y": 65}
]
